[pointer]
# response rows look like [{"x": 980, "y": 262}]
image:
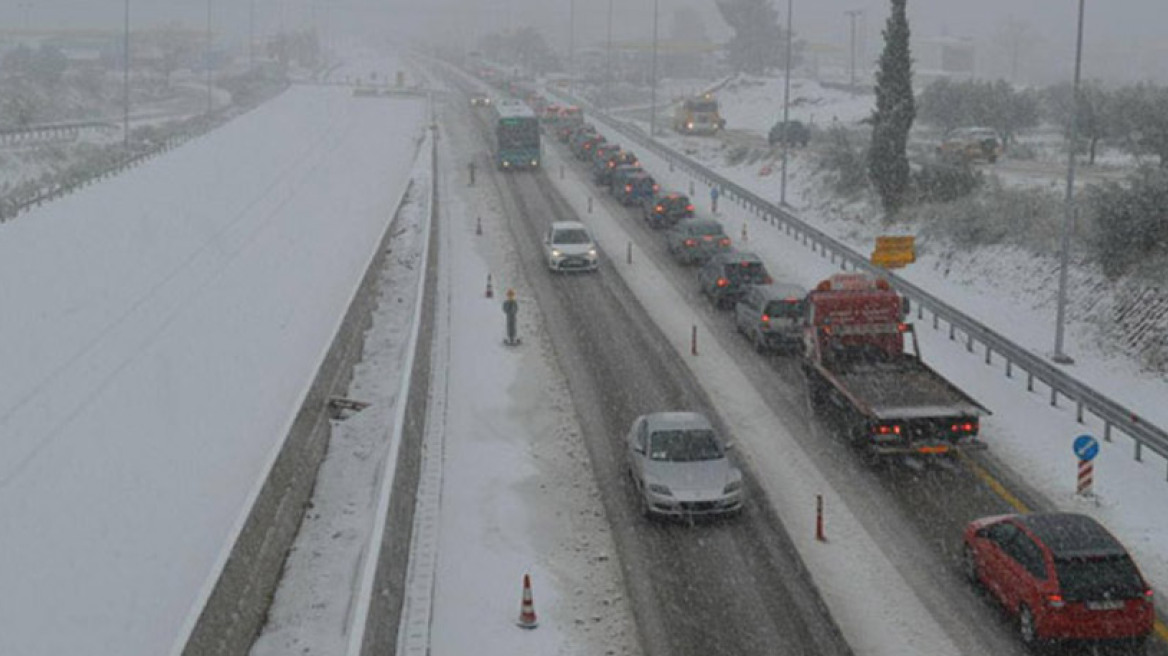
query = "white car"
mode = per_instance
[
  {"x": 679, "y": 467},
  {"x": 569, "y": 246}
]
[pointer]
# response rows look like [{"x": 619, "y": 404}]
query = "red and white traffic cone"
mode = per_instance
[
  {"x": 490, "y": 289},
  {"x": 527, "y": 619}
]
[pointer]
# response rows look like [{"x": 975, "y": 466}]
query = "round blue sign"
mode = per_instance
[{"x": 1086, "y": 447}]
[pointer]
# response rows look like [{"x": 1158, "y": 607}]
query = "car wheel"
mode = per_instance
[
  {"x": 1026, "y": 630},
  {"x": 969, "y": 566}
]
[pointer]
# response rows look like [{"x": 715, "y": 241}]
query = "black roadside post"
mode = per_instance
[
  {"x": 471, "y": 167},
  {"x": 511, "y": 308}
]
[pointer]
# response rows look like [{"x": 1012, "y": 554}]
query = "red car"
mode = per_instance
[{"x": 1062, "y": 575}]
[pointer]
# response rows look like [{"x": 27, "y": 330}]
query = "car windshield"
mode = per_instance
[
  {"x": 1096, "y": 579},
  {"x": 571, "y": 236},
  {"x": 792, "y": 309},
  {"x": 747, "y": 272},
  {"x": 684, "y": 445}
]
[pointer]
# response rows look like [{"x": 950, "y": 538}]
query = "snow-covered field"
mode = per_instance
[{"x": 160, "y": 331}]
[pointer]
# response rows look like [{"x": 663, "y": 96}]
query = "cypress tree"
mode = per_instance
[{"x": 887, "y": 159}]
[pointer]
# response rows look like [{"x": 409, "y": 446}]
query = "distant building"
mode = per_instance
[{"x": 943, "y": 57}]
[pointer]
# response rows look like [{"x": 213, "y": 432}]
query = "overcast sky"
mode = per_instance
[{"x": 1052, "y": 22}]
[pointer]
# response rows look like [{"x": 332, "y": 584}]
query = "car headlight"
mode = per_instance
[
  {"x": 732, "y": 486},
  {"x": 658, "y": 488},
  {"x": 556, "y": 252},
  {"x": 591, "y": 252}
]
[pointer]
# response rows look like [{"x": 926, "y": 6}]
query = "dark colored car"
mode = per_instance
[
  {"x": 635, "y": 189},
  {"x": 1062, "y": 575},
  {"x": 602, "y": 152},
  {"x": 771, "y": 317},
  {"x": 620, "y": 173},
  {"x": 665, "y": 209},
  {"x": 602, "y": 169},
  {"x": 584, "y": 145},
  {"x": 797, "y": 133},
  {"x": 693, "y": 241},
  {"x": 725, "y": 277},
  {"x": 566, "y": 132}
]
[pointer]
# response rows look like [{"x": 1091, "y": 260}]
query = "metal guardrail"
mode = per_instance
[{"x": 1114, "y": 415}]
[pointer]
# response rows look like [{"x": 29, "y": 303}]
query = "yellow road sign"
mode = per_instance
[{"x": 894, "y": 252}]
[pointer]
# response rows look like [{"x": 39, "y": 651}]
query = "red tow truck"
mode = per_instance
[{"x": 860, "y": 372}]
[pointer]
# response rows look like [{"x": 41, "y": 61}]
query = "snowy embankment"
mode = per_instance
[{"x": 164, "y": 330}]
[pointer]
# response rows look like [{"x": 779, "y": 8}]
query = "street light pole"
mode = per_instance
[
  {"x": 653, "y": 85},
  {"x": 852, "y": 15},
  {"x": 786, "y": 103},
  {"x": 251, "y": 34},
  {"x": 1069, "y": 204},
  {"x": 126, "y": 78},
  {"x": 571, "y": 47},
  {"x": 210, "y": 103},
  {"x": 608, "y": 61}
]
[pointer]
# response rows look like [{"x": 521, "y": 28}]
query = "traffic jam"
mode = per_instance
[{"x": 1058, "y": 576}]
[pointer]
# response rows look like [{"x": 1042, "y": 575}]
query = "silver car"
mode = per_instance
[
  {"x": 568, "y": 246},
  {"x": 679, "y": 467}
]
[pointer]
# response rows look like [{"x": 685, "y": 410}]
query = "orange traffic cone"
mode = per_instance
[
  {"x": 527, "y": 618},
  {"x": 490, "y": 290}
]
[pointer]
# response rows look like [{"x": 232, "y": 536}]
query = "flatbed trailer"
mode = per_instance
[{"x": 861, "y": 367}]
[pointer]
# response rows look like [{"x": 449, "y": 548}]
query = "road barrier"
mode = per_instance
[{"x": 1111, "y": 413}]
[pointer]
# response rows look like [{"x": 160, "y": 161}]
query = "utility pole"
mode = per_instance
[
  {"x": 210, "y": 99},
  {"x": 787, "y": 103},
  {"x": 653, "y": 86},
  {"x": 571, "y": 47},
  {"x": 852, "y": 15},
  {"x": 608, "y": 62},
  {"x": 126, "y": 77},
  {"x": 251, "y": 34},
  {"x": 1069, "y": 204}
]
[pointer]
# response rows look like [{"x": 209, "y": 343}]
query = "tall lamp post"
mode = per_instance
[
  {"x": 786, "y": 104},
  {"x": 608, "y": 61},
  {"x": 852, "y": 15},
  {"x": 126, "y": 77},
  {"x": 1069, "y": 204},
  {"x": 210, "y": 100},
  {"x": 571, "y": 47},
  {"x": 653, "y": 84}
]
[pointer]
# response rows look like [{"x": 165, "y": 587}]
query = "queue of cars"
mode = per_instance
[{"x": 1061, "y": 576}]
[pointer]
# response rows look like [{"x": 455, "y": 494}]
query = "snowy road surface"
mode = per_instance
[{"x": 159, "y": 332}]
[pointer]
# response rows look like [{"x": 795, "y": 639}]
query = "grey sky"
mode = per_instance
[{"x": 1109, "y": 22}]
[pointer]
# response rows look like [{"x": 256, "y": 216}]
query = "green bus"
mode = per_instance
[{"x": 516, "y": 136}]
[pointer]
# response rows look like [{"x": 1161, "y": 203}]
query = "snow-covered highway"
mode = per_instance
[{"x": 159, "y": 331}]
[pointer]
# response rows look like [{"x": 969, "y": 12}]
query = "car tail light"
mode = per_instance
[
  {"x": 722, "y": 282},
  {"x": 612, "y": 165},
  {"x": 1055, "y": 601},
  {"x": 1148, "y": 594},
  {"x": 659, "y": 208},
  {"x": 885, "y": 429},
  {"x": 725, "y": 241},
  {"x": 656, "y": 187},
  {"x": 766, "y": 318},
  {"x": 967, "y": 427},
  {"x": 629, "y": 188},
  {"x": 689, "y": 208},
  {"x": 691, "y": 242},
  {"x": 902, "y": 327}
]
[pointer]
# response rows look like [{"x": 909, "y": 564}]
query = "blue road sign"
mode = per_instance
[{"x": 1086, "y": 447}]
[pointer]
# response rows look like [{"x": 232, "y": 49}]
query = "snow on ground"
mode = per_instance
[
  {"x": 1013, "y": 292},
  {"x": 160, "y": 331},
  {"x": 517, "y": 491},
  {"x": 312, "y": 609},
  {"x": 756, "y": 103},
  {"x": 506, "y": 487}
]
